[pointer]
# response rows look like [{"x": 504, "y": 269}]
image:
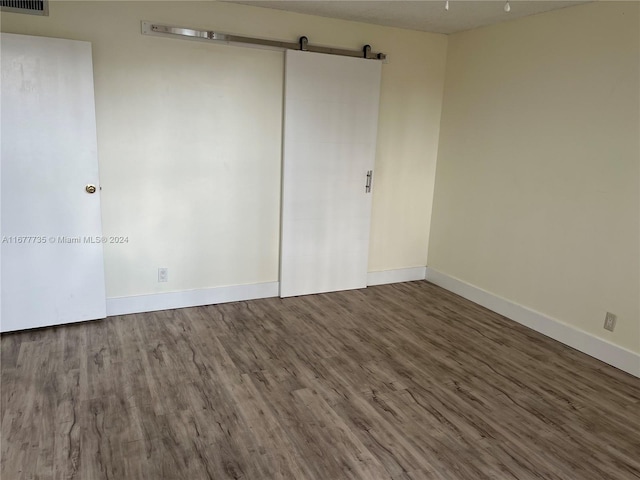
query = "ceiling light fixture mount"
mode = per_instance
[{"x": 507, "y": 6}]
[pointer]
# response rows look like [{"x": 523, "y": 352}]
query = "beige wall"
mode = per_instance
[
  {"x": 537, "y": 186},
  {"x": 189, "y": 138}
]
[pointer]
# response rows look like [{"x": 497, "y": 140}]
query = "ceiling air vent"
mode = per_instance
[{"x": 34, "y": 7}]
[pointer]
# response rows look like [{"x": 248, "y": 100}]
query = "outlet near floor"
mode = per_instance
[
  {"x": 610, "y": 321},
  {"x": 163, "y": 274}
]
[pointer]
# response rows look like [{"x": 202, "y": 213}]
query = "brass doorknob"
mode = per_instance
[{"x": 90, "y": 188}]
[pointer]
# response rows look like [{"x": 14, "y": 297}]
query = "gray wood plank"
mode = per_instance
[{"x": 396, "y": 382}]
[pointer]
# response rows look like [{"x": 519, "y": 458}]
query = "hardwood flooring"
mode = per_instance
[{"x": 403, "y": 381}]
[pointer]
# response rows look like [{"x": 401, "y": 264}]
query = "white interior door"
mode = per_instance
[
  {"x": 330, "y": 129},
  {"x": 52, "y": 261}
]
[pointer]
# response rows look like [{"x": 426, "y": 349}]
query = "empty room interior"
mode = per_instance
[{"x": 320, "y": 240}]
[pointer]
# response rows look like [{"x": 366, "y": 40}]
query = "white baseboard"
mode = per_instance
[
  {"x": 234, "y": 293},
  {"x": 599, "y": 348},
  {"x": 190, "y": 298},
  {"x": 396, "y": 276}
]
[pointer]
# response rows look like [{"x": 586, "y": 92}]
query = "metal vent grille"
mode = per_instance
[{"x": 34, "y": 7}]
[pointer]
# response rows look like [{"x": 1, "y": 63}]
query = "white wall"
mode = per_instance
[
  {"x": 537, "y": 188},
  {"x": 189, "y": 138}
]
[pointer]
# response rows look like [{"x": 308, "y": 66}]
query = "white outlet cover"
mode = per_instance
[
  {"x": 163, "y": 274},
  {"x": 610, "y": 321}
]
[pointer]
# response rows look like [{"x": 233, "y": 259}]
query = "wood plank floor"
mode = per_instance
[{"x": 402, "y": 381}]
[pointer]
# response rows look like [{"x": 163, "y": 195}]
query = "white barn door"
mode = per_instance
[
  {"x": 51, "y": 255},
  {"x": 330, "y": 130}
]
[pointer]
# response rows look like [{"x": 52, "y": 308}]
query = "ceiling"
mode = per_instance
[{"x": 423, "y": 15}]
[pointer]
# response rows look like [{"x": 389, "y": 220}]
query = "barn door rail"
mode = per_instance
[{"x": 157, "y": 29}]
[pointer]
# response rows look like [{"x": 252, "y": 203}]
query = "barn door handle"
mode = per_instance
[{"x": 367, "y": 187}]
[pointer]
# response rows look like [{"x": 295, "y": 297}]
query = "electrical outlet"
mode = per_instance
[
  {"x": 610, "y": 321},
  {"x": 163, "y": 274}
]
